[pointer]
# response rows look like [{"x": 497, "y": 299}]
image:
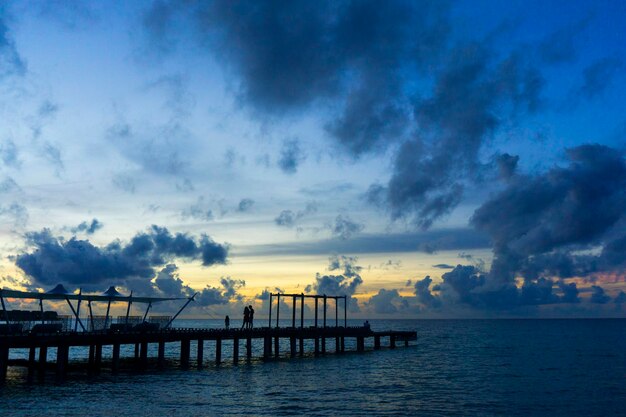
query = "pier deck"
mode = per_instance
[{"x": 271, "y": 336}]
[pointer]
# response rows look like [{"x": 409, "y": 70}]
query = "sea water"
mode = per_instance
[{"x": 456, "y": 367}]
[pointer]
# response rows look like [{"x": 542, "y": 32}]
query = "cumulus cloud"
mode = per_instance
[
  {"x": 345, "y": 283},
  {"x": 79, "y": 262},
  {"x": 545, "y": 229},
  {"x": 387, "y": 302},
  {"x": 88, "y": 227}
]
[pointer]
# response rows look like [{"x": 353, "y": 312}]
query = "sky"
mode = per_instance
[{"x": 428, "y": 159}]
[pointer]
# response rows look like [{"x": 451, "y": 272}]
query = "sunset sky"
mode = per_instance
[{"x": 429, "y": 158}]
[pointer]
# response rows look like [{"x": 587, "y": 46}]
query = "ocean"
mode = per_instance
[{"x": 455, "y": 368}]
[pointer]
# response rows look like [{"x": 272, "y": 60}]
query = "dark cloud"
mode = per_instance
[
  {"x": 88, "y": 227},
  {"x": 423, "y": 294},
  {"x": 79, "y": 262},
  {"x": 291, "y": 155},
  {"x": 345, "y": 228},
  {"x": 598, "y": 76},
  {"x": 387, "y": 302},
  {"x": 443, "y": 266},
  {"x": 538, "y": 222},
  {"x": 598, "y": 296},
  {"x": 560, "y": 46},
  {"x": 345, "y": 283},
  {"x": 245, "y": 205}
]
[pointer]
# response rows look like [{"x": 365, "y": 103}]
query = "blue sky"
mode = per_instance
[{"x": 429, "y": 159}]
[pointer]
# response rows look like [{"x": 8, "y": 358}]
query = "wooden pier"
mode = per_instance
[{"x": 40, "y": 344}]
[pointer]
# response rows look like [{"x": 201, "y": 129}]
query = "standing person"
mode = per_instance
[
  {"x": 246, "y": 318},
  {"x": 251, "y": 317},
  {"x": 227, "y": 322}
]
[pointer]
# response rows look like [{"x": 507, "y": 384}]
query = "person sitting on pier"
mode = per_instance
[
  {"x": 366, "y": 325},
  {"x": 227, "y": 322},
  {"x": 246, "y": 318},
  {"x": 251, "y": 317}
]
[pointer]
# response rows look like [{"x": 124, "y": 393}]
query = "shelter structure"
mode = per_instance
[
  {"x": 317, "y": 298},
  {"x": 60, "y": 293}
]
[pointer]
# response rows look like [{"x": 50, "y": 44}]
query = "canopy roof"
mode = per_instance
[{"x": 59, "y": 293}]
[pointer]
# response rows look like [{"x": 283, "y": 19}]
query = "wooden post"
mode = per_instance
[
  {"x": 345, "y": 311},
  {"x": 270, "y": 316},
  {"x": 115, "y": 359},
  {"x": 92, "y": 358},
  {"x": 236, "y": 350},
  {"x": 267, "y": 347},
  {"x": 323, "y": 343},
  {"x": 302, "y": 311},
  {"x": 406, "y": 342},
  {"x": 248, "y": 348},
  {"x": 4, "y": 363},
  {"x": 185, "y": 348},
  {"x": 106, "y": 317},
  {"x": 376, "y": 342},
  {"x": 316, "y": 311},
  {"x": 144, "y": 355},
  {"x": 200, "y": 353},
  {"x": 136, "y": 352},
  {"x": 360, "y": 343},
  {"x": 336, "y": 312},
  {"x": 62, "y": 358},
  {"x": 161, "y": 355},
  {"x": 324, "y": 310},
  {"x": 293, "y": 313},
  {"x": 276, "y": 347},
  {"x": 32, "y": 364},
  {"x": 218, "y": 351},
  {"x": 337, "y": 344},
  {"x": 301, "y": 345},
  {"x": 317, "y": 344},
  {"x": 292, "y": 345},
  {"x": 392, "y": 341},
  {"x": 277, "y": 309},
  {"x": 343, "y": 344},
  {"x": 98, "y": 359},
  {"x": 43, "y": 357}
]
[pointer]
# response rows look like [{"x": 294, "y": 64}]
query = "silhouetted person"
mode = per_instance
[
  {"x": 251, "y": 317},
  {"x": 366, "y": 324},
  {"x": 227, "y": 322},
  {"x": 246, "y": 318}
]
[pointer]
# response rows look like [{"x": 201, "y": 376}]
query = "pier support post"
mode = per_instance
[
  {"x": 62, "y": 359},
  {"x": 115, "y": 359},
  {"x": 323, "y": 344},
  {"x": 43, "y": 357},
  {"x": 343, "y": 344},
  {"x": 98, "y": 359},
  {"x": 360, "y": 343},
  {"x": 337, "y": 345},
  {"x": 32, "y": 364},
  {"x": 301, "y": 346},
  {"x": 317, "y": 345},
  {"x": 292, "y": 345},
  {"x": 236, "y": 350},
  {"x": 143, "y": 355},
  {"x": 185, "y": 348},
  {"x": 392, "y": 341},
  {"x": 276, "y": 346},
  {"x": 267, "y": 347},
  {"x": 376, "y": 342},
  {"x": 92, "y": 359},
  {"x": 200, "y": 353},
  {"x": 136, "y": 352},
  {"x": 218, "y": 351},
  {"x": 4, "y": 363},
  {"x": 161, "y": 355},
  {"x": 406, "y": 342},
  {"x": 248, "y": 348}
]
